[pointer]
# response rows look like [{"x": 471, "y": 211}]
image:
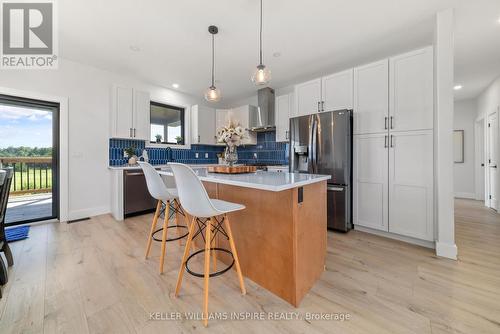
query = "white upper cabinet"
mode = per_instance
[
  {"x": 308, "y": 97},
  {"x": 239, "y": 115},
  {"x": 142, "y": 115},
  {"x": 203, "y": 129},
  {"x": 130, "y": 113},
  {"x": 336, "y": 91},
  {"x": 122, "y": 110},
  {"x": 371, "y": 92},
  {"x": 411, "y": 99},
  {"x": 411, "y": 184},
  {"x": 282, "y": 112}
]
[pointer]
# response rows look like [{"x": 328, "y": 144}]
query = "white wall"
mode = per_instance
[
  {"x": 489, "y": 100},
  {"x": 465, "y": 113},
  {"x": 88, "y": 90}
]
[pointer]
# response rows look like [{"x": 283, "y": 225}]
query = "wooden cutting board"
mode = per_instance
[{"x": 232, "y": 170}]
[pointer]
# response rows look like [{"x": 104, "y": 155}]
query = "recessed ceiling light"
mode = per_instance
[
  {"x": 135, "y": 48},
  {"x": 277, "y": 54},
  {"x": 175, "y": 85},
  {"x": 457, "y": 87}
]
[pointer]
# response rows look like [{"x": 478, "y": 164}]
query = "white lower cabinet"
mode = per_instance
[
  {"x": 393, "y": 183},
  {"x": 411, "y": 195},
  {"x": 371, "y": 184}
]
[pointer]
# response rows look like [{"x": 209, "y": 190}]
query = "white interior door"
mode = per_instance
[
  {"x": 411, "y": 184},
  {"x": 479, "y": 160},
  {"x": 371, "y": 181},
  {"x": 493, "y": 159}
]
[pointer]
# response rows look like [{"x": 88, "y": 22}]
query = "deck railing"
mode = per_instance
[{"x": 31, "y": 174}]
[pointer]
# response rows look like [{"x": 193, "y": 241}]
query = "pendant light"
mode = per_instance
[
  {"x": 262, "y": 74},
  {"x": 212, "y": 94}
]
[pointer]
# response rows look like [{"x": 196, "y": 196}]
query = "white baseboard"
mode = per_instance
[
  {"x": 84, "y": 213},
  {"x": 465, "y": 195},
  {"x": 448, "y": 251},
  {"x": 410, "y": 240}
]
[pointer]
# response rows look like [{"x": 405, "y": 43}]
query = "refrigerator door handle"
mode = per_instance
[
  {"x": 315, "y": 145},
  {"x": 310, "y": 147}
]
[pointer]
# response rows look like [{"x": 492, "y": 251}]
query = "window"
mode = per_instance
[{"x": 167, "y": 124}]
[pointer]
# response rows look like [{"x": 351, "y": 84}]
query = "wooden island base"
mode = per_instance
[{"x": 281, "y": 243}]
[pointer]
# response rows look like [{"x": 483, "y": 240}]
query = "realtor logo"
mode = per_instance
[{"x": 28, "y": 35}]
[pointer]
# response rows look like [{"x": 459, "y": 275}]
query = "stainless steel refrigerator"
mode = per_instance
[{"x": 322, "y": 144}]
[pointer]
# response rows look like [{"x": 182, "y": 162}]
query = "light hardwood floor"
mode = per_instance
[{"x": 91, "y": 276}]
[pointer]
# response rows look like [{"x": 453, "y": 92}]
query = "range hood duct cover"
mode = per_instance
[{"x": 262, "y": 118}]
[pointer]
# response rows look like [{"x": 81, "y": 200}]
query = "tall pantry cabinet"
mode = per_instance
[{"x": 393, "y": 145}]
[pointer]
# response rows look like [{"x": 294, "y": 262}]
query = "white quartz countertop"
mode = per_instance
[{"x": 270, "y": 181}]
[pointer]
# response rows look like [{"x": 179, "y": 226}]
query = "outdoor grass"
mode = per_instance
[{"x": 38, "y": 179}]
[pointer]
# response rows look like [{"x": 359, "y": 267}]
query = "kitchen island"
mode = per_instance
[{"x": 281, "y": 235}]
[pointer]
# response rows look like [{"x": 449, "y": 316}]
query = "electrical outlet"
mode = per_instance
[
  {"x": 125, "y": 154},
  {"x": 206, "y": 155},
  {"x": 255, "y": 155},
  {"x": 196, "y": 155}
]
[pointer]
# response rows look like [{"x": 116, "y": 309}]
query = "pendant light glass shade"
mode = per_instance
[
  {"x": 212, "y": 94},
  {"x": 262, "y": 75}
]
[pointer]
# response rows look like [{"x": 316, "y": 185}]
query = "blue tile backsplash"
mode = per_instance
[{"x": 267, "y": 151}]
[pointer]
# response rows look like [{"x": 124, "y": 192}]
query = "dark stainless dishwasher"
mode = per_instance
[{"x": 136, "y": 197}]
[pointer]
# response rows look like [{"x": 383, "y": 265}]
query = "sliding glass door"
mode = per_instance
[{"x": 29, "y": 137}]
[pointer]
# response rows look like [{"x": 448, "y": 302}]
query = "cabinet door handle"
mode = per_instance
[
  {"x": 134, "y": 132},
  {"x": 198, "y": 139},
  {"x": 392, "y": 125},
  {"x": 385, "y": 141},
  {"x": 322, "y": 105},
  {"x": 385, "y": 123},
  {"x": 319, "y": 103},
  {"x": 130, "y": 132},
  {"x": 392, "y": 143},
  {"x": 286, "y": 134}
]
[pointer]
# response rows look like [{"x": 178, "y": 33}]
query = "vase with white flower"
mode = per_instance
[{"x": 231, "y": 135}]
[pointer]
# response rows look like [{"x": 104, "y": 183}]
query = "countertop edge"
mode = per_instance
[{"x": 267, "y": 187}]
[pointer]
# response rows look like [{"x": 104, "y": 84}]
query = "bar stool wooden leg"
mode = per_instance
[
  {"x": 184, "y": 258},
  {"x": 177, "y": 207},
  {"x": 214, "y": 253},
  {"x": 153, "y": 227},
  {"x": 208, "y": 236},
  {"x": 235, "y": 254},
  {"x": 164, "y": 236}
]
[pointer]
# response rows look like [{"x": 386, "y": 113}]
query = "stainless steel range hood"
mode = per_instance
[{"x": 262, "y": 117}]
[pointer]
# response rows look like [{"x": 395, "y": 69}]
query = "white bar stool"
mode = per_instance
[
  {"x": 204, "y": 210},
  {"x": 167, "y": 196}
]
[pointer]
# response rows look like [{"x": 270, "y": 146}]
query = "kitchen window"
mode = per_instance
[{"x": 167, "y": 124}]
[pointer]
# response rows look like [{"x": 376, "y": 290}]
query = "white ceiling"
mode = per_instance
[
  {"x": 477, "y": 45},
  {"x": 313, "y": 37}
]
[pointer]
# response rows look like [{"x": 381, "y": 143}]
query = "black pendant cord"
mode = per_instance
[
  {"x": 213, "y": 60},
  {"x": 260, "y": 33}
]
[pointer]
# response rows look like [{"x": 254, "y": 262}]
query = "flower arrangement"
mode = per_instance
[{"x": 231, "y": 135}]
